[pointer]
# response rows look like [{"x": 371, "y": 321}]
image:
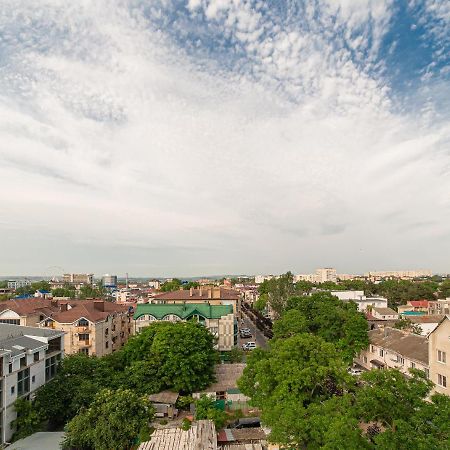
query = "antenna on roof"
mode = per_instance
[{"x": 126, "y": 280}]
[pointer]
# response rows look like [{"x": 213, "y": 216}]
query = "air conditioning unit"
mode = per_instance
[{"x": 75, "y": 334}]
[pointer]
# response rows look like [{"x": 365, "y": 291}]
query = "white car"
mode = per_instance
[
  {"x": 249, "y": 346},
  {"x": 355, "y": 371}
]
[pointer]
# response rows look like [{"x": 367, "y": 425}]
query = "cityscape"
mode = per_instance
[{"x": 224, "y": 225}]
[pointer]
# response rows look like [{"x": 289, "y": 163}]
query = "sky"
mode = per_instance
[{"x": 201, "y": 137}]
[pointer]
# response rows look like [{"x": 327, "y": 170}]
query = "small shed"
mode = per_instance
[{"x": 164, "y": 404}]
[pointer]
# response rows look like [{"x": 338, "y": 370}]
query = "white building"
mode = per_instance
[
  {"x": 400, "y": 274},
  {"x": 261, "y": 278},
  {"x": 109, "y": 280},
  {"x": 364, "y": 303},
  {"x": 16, "y": 284},
  {"x": 28, "y": 359},
  {"x": 384, "y": 313},
  {"x": 305, "y": 277},
  {"x": 155, "y": 284}
]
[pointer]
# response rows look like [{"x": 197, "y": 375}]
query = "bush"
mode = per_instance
[{"x": 186, "y": 425}]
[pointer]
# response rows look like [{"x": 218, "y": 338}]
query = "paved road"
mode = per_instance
[{"x": 257, "y": 336}]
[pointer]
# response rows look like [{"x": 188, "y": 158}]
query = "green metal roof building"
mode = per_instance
[{"x": 183, "y": 310}]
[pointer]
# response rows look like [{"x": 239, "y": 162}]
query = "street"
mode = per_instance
[{"x": 257, "y": 335}]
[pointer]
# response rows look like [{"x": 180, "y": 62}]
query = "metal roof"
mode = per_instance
[{"x": 183, "y": 310}]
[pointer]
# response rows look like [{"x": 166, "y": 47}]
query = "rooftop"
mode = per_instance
[
  {"x": 411, "y": 346},
  {"x": 168, "y": 397},
  {"x": 226, "y": 377},
  {"x": 216, "y": 293},
  {"x": 183, "y": 310},
  {"x": 385, "y": 311}
]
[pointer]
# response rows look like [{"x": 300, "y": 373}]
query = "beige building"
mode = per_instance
[
  {"x": 326, "y": 274},
  {"x": 394, "y": 349},
  {"x": 439, "y": 307},
  {"x": 384, "y": 313},
  {"x": 439, "y": 351},
  {"x": 93, "y": 327},
  {"x": 218, "y": 319},
  {"x": 78, "y": 278},
  {"x": 210, "y": 295},
  {"x": 398, "y": 274}
]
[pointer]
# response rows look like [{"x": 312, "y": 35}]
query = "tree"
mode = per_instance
[
  {"x": 205, "y": 409},
  {"x": 444, "y": 289},
  {"x": 173, "y": 285},
  {"x": 262, "y": 302},
  {"x": 3, "y": 284},
  {"x": 182, "y": 353},
  {"x": 291, "y": 323},
  {"x": 88, "y": 291},
  {"x": 112, "y": 422},
  {"x": 28, "y": 420},
  {"x": 293, "y": 374}
]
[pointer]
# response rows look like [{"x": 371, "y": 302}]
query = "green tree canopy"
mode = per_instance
[
  {"x": 113, "y": 421},
  {"x": 173, "y": 285}
]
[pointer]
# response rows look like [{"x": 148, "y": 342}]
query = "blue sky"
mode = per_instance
[{"x": 184, "y": 137}]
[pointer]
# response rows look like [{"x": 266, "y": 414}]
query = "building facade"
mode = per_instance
[
  {"x": 16, "y": 284},
  {"x": 29, "y": 358},
  {"x": 218, "y": 319},
  {"x": 109, "y": 281},
  {"x": 439, "y": 351},
  {"x": 78, "y": 278},
  {"x": 93, "y": 327},
  {"x": 439, "y": 307}
]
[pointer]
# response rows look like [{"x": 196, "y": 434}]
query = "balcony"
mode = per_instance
[{"x": 86, "y": 329}]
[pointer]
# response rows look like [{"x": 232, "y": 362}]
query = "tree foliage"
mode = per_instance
[
  {"x": 112, "y": 421},
  {"x": 205, "y": 409},
  {"x": 28, "y": 420}
]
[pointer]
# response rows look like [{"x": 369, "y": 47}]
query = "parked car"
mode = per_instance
[
  {"x": 249, "y": 346},
  {"x": 354, "y": 371},
  {"x": 245, "y": 330},
  {"x": 246, "y": 334},
  {"x": 247, "y": 422}
]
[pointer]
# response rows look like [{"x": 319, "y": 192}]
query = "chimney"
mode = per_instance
[
  {"x": 200, "y": 291},
  {"x": 63, "y": 307},
  {"x": 99, "y": 305},
  {"x": 210, "y": 293},
  {"x": 191, "y": 292},
  {"x": 216, "y": 292},
  {"x": 54, "y": 303}
]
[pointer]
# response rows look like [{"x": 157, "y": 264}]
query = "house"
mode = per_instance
[
  {"x": 29, "y": 358},
  {"x": 219, "y": 319},
  {"x": 439, "y": 352},
  {"x": 414, "y": 305},
  {"x": 40, "y": 293},
  {"x": 93, "y": 327},
  {"x": 439, "y": 306},
  {"x": 384, "y": 313},
  {"x": 364, "y": 303},
  {"x": 242, "y": 439},
  {"x": 164, "y": 404},
  {"x": 426, "y": 323},
  {"x": 395, "y": 349},
  {"x": 225, "y": 387},
  {"x": 201, "y": 435},
  {"x": 211, "y": 295}
]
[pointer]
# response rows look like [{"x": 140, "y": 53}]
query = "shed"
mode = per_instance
[{"x": 164, "y": 403}]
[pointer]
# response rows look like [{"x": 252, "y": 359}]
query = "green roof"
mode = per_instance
[{"x": 183, "y": 310}]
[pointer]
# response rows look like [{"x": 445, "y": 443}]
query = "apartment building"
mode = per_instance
[
  {"x": 212, "y": 295},
  {"x": 93, "y": 327},
  {"x": 397, "y": 274},
  {"x": 16, "y": 284},
  {"x": 29, "y": 358},
  {"x": 218, "y": 319},
  {"x": 439, "y": 351},
  {"x": 439, "y": 306},
  {"x": 326, "y": 274},
  {"x": 394, "y": 349},
  {"x": 78, "y": 278}
]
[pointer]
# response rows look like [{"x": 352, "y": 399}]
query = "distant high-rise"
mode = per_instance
[
  {"x": 109, "y": 280},
  {"x": 78, "y": 278},
  {"x": 326, "y": 274}
]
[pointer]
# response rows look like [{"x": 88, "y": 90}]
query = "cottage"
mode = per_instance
[{"x": 164, "y": 404}]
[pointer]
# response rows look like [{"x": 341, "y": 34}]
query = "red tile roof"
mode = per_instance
[
  {"x": 419, "y": 303},
  {"x": 200, "y": 294}
]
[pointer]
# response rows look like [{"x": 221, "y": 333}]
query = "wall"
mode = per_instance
[{"x": 440, "y": 340}]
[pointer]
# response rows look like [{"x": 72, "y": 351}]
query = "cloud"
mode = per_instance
[{"x": 267, "y": 138}]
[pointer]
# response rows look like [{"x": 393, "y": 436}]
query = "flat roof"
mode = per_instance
[{"x": 39, "y": 441}]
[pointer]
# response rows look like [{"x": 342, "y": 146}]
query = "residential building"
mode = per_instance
[
  {"x": 165, "y": 403},
  {"x": 384, "y": 313},
  {"x": 218, "y": 319},
  {"x": 364, "y": 303},
  {"x": 439, "y": 350},
  {"x": 398, "y": 274},
  {"x": 259, "y": 279},
  {"x": 439, "y": 306},
  {"x": 93, "y": 327},
  {"x": 155, "y": 284},
  {"x": 390, "y": 348},
  {"x": 414, "y": 305},
  {"x": 211, "y": 295},
  {"x": 326, "y": 274},
  {"x": 16, "y": 284},
  {"x": 78, "y": 278},
  {"x": 426, "y": 323},
  {"x": 109, "y": 281},
  {"x": 29, "y": 358},
  {"x": 305, "y": 277}
]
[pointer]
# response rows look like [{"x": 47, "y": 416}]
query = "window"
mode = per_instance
[
  {"x": 400, "y": 360},
  {"x": 23, "y": 382},
  {"x": 413, "y": 365},
  {"x": 1, "y": 393},
  {"x": 51, "y": 365},
  {"x": 107, "y": 344},
  {"x": 372, "y": 349},
  {"x": 13, "y": 389},
  {"x": 23, "y": 362},
  {"x": 442, "y": 380},
  {"x": 10, "y": 367},
  {"x": 441, "y": 356},
  {"x": 36, "y": 357},
  {"x": 83, "y": 323},
  {"x": 33, "y": 379},
  {"x": 84, "y": 350},
  {"x": 427, "y": 373},
  {"x": 83, "y": 337},
  {"x": 365, "y": 359},
  {"x": 381, "y": 352},
  {"x": 10, "y": 321},
  {"x": 107, "y": 332}
]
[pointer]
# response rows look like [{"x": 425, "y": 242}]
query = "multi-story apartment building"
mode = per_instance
[
  {"x": 399, "y": 274},
  {"x": 16, "y": 284},
  {"x": 93, "y": 327},
  {"x": 326, "y": 274},
  {"x": 394, "y": 349},
  {"x": 211, "y": 295},
  {"x": 439, "y": 307},
  {"x": 439, "y": 352},
  {"x": 78, "y": 278},
  {"x": 109, "y": 281},
  {"x": 218, "y": 319},
  {"x": 29, "y": 358}
]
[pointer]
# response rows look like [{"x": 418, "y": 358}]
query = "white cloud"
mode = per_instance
[{"x": 112, "y": 138}]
